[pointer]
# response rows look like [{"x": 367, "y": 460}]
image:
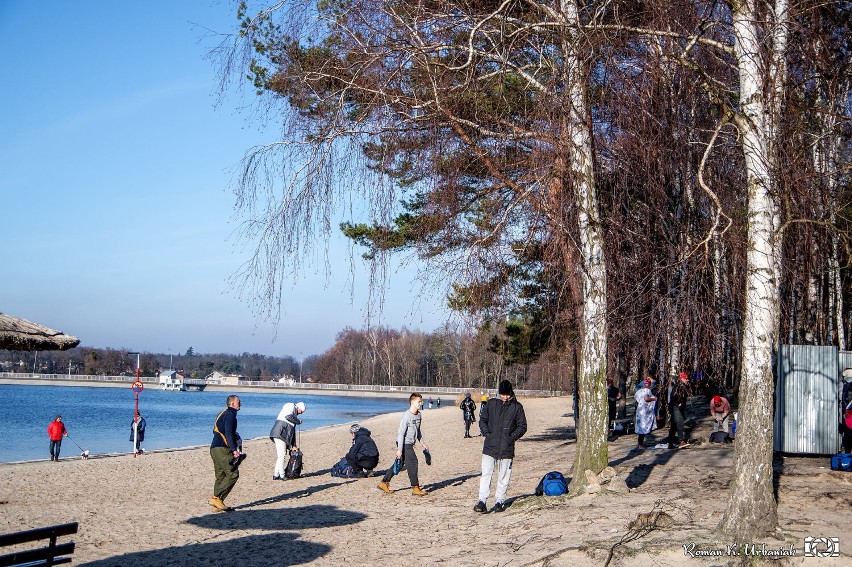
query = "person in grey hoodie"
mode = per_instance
[
  {"x": 283, "y": 434},
  {"x": 409, "y": 433}
]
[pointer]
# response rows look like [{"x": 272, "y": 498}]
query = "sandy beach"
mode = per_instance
[{"x": 152, "y": 510}]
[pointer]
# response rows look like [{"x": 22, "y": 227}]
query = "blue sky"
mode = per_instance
[{"x": 116, "y": 210}]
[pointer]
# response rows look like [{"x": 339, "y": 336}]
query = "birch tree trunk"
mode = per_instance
[
  {"x": 751, "y": 510},
  {"x": 592, "y": 425},
  {"x": 826, "y": 162}
]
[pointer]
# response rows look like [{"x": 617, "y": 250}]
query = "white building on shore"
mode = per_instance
[{"x": 223, "y": 379}]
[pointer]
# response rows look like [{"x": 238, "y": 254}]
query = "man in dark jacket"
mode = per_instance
[
  {"x": 468, "y": 408},
  {"x": 677, "y": 407},
  {"x": 502, "y": 423},
  {"x": 363, "y": 456},
  {"x": 225, "y": 451},
  {"x": 137, "y": 432}
]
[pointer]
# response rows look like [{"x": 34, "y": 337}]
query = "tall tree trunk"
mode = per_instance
[
  {"x": 827, "y": 151},
  {"x": 592, "y": 449},
  {"x": 721, "y": 309},
  {"x": 751, "y": 511}
]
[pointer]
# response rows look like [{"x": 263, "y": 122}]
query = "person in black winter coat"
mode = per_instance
[
  {"x": 468, "y": 408},
  {"x": 502, "y": 423},
  {"x": 677, "y": 407},
  {"x": 139, "y": 425},
  {"x": 363, "y": 456}
]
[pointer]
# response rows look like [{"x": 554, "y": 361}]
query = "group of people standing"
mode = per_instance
[
  {"x": 502, "y": 422},
  {"x": 647, "y": 406}
]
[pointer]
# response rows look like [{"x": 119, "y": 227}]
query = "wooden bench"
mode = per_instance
[{"x": 53, "y": 554}]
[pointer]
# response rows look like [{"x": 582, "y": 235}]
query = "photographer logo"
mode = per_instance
[{"x": 822, "y": 546}]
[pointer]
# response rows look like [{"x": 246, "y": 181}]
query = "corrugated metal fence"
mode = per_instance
[{"x": 807, "y": 398}]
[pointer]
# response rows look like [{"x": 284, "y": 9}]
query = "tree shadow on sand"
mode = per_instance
[
  {"x": 251, "y": 551},
  {"x": 298, "y": 518},
  {"x": 323, "y": 472},
  {"x": 566, "y": 434},
  {"x": 457, "y": 481},
  {"x": 301, "y": 493},
  {"x": 641, "y": 471}
]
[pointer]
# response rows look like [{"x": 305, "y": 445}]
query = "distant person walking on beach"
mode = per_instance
[
  {"x": 502, "y": 423},
  {"x": 468, "y": 408},
  {"x": 56, "y": 431},
  {"x": 483, "y": 401},
  {"x": 646, "y": 418},
  {"x": 225, "y": 452},
  {"x": 283, "y": 434},
  {"x": 430, "y": 403},
  {"x": 409, "y": 433},
  {"x": 139, "y": 425},
  {"x": 438, "y": 404}
]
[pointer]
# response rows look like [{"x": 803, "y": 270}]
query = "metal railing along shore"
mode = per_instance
[{"x": 75, "y": 377}]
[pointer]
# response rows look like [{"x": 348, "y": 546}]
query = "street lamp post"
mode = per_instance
[{"x": 301, "y": 361}]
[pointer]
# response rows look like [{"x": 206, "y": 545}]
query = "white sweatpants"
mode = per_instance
[
  {"x": 281, "y": 461},
  {"x": 504, "y": 474},
  {"x": 724, "y": 424}
]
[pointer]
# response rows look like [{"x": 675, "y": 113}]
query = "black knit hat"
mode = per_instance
[{"x": 505, "y": 389}]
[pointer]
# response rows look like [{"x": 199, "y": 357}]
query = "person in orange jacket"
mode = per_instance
[{"x": 56, "y": 431}]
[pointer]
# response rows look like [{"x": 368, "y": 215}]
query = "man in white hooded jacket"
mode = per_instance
[{"x": 283, "y": 434}]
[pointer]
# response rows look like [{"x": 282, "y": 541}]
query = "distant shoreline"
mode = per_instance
[{"x": 221, "y": 388}]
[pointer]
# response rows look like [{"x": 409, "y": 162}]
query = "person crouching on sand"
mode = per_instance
[
  {"x": 363, "y": 456},
  {"x": 409, "y": 433}
]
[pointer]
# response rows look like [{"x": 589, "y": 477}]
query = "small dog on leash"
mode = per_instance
[{"x": 85, "y": 455}]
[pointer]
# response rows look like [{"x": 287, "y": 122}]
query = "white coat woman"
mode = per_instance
[
  {"x": 646, "y": 419},
  {"x": 283, "y": 434}
]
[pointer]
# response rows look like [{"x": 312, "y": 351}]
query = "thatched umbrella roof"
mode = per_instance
[{"x": 20, "y": 334}]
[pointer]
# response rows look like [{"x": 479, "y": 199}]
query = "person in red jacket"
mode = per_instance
[{"x": 56, "y": 431}]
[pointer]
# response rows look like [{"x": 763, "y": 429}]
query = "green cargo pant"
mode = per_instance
[{"x": 225, "y": 477}]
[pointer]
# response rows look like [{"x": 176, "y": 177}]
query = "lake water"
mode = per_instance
[{"x": 98, "y": 419}]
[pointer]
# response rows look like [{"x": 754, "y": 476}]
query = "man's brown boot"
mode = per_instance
[
  {"x": 417, "y": 491},
  {"x": 384, "y": 486},
  {"x": 217, "y": 504}
]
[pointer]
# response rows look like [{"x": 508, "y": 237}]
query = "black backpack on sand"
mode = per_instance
[
  {"x": 719, "y": 437},
  {"x": 294, "y": 465}
]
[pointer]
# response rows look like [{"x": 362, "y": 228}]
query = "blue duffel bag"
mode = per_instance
[{"x": 841, "y": 462}]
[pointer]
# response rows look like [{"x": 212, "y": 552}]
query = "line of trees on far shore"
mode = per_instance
[{"x": 373, "y": 356}]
